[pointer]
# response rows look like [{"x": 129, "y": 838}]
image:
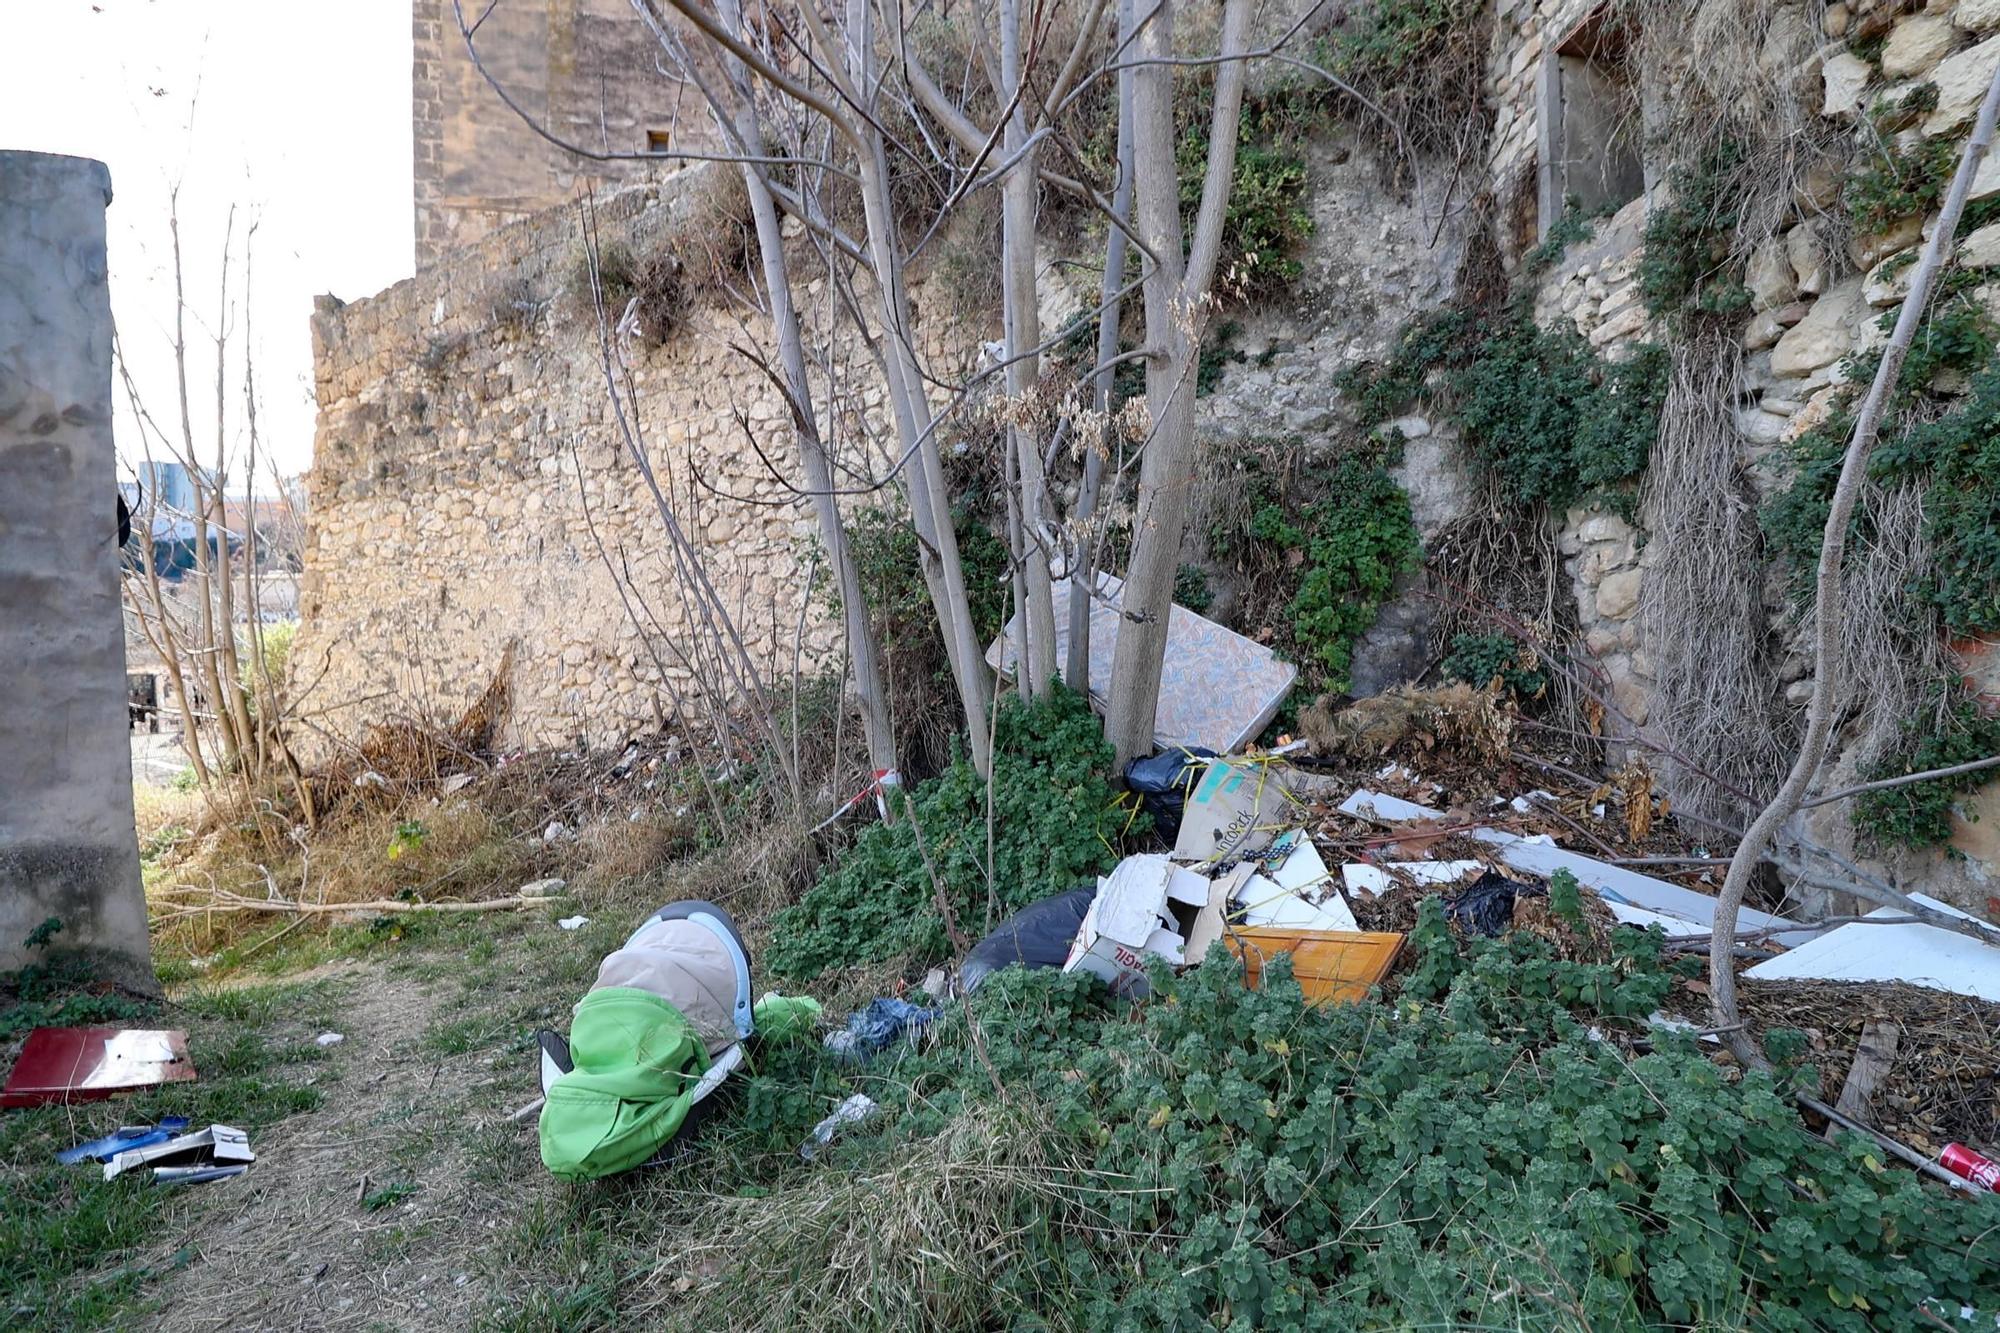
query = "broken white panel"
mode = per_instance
[
  {"x": 1218, "y": 689},
  {"x": 1614, "y": 884},
  {"x": 1676, "y": 927},
  {"x": 1376, "y": 880},
  {"x": 1302, "y": 872},
  {"x": 1267, "y": 904},
  {"x": 1921, "y": 955}
]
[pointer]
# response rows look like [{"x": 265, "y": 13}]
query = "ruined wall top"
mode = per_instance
[{"x": 585, "y": 70}]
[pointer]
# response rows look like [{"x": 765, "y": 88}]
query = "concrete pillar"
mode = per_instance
[{"x": 67, "y": 845}]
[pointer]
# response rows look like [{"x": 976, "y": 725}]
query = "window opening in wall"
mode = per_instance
[
  {"x": 1591, "y": 135},
  {"x": 659, "y": 141}
]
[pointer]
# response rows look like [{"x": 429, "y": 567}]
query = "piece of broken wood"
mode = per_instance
[
  {"x": 222, "y": 900},
  {"x": 1874, "y": 1057}
]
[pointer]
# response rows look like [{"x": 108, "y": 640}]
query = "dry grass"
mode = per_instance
[
  {"x": 1715, "y": 656},
  {"x": 914, "y": 1242},
  {"x": 1471, "y": 725}
]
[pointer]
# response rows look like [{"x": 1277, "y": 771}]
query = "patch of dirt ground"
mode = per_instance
[{"x": 382, "y": 1208}]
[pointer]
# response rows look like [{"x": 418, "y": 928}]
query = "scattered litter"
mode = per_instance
[
  {"x": 557, "y": 831},
  {"x": 329, "y": 1039},
  {"x": 456, "y": 782},
  {"x": 60, "y": 1065},
  {"x": 543, "y": 888},
  {"x": 853, "y": 1111},
  {"x": 218, "y": 1146},
  {"x": 1976, "y": 1167},
  {"x": 937, "y": 981},
  {"x": 368, "y": 777},
  {"x": 123, "y": 1139},
  {"x": 1539, "y": 859},
  {"x": 574, "y": 922},
  {"x": 1163, "y": 782},
  {"x": 1331, "y": 966},
  {"x": 1487, "y": 904},
  {"x": 1218, "y": 689},
  {"x": 1039, "y": 935},
  {"x": 882, "y": 1022},
  {"x": 1378, "y": 880},
  {"x": 1921, "y": 955},
  {"x": 1527, "y": 804}
]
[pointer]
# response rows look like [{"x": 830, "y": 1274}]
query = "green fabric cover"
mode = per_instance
[
  {"x": 637, "y": 1060},
  {"x": 783, "y": 1017}
]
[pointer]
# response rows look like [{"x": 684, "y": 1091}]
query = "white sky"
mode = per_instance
[{"x": 302, "y": 121}]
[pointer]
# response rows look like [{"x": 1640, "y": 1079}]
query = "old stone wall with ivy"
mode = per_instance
[
  {"x": 473, "y": 503},
  {"x": 1893, "y": 88}
]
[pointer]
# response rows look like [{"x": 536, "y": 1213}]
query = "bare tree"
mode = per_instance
[
  {"x": 1176, "y": 288},
  {"x": 1827, "y": 601}
]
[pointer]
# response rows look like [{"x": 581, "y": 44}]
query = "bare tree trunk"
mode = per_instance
[
  {"x": 1176, "y": 293},
  {"x": 1037, "y": 664},
  {"x": 228, "y": 665},
  {"x": 863, "y": 651},
  {"x": 1827, "y": 608},
  {"x": 1083, "y": 570},
  {"x": 205, "y": 666},
  {"x": 930, "y": 505}
]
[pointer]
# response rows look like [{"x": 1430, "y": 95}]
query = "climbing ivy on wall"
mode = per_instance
[
  {"x": 1320, "y": 545},
  {"x": 1537, "y": 409}
]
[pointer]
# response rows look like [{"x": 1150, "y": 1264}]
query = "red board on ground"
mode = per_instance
[{"x": 88, "y": 1064}]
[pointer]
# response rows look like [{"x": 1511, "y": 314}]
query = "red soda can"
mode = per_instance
[{"x": 1976, "y": 1167}]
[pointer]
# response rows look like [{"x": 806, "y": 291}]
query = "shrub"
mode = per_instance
[
  {"x": 1687, "y": 263},
  {"x": 1358, "y": 536},
  {"x": 1267, "y": 220},
  {"x": 1481, "y": 659},
  {"x": 1920, "y": 814},
  {"x": 1324, "y": 538},
  {"x": 1055, "y": 822},
  {"x": 1551, "y": 421},
  {"x": 1897, "y": 183},
  {"x": 1486, "y": 1153}
]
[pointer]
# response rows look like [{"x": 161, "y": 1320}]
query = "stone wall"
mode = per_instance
[
  {"x": 472, "y": 494},
  {"x": 67, "y": 849},
  {"x": 1817, "y": 295},
  {"x": 586, "y": 70}
]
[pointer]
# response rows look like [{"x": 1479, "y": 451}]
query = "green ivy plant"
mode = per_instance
[
  {"x": 1686, "y": 265},
  {"x": 1481, "y": 659},
  {"x": 1055, "y": 823},
  {"x": 1920, "y": 814}
]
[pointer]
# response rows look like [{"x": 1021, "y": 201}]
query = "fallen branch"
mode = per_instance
[
  {"x": 1929, "y": 774},
  {"x": 222, "y": 900}
]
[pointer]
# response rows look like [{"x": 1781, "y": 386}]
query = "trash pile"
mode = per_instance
[{"x": 1270, "y": 856}]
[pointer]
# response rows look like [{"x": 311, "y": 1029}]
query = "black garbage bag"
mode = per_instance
[
  {"x": 1487, "y": 904},
  {"x": 1163, "y": 782},
  {"x": 1039, "y": 935}
]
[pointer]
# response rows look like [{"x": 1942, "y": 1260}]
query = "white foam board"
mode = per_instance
[
  {"x": 1266, "y": 904},
  {"x": 1921, "y": 955},
  {"x": 1376, "y": 880},
  {"x": 1613, "y": 883}
]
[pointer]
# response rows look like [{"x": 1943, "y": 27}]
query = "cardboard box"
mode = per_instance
[
  {"x": 1142, "y": 910},
  {"x": 1235, "y": 808}
]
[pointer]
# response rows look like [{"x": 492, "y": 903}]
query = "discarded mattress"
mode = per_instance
[
  {"x": 1217, "y": 689},
  {"x": 1614, "y": 884},
  {"x": 1921, "y": 955}
]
